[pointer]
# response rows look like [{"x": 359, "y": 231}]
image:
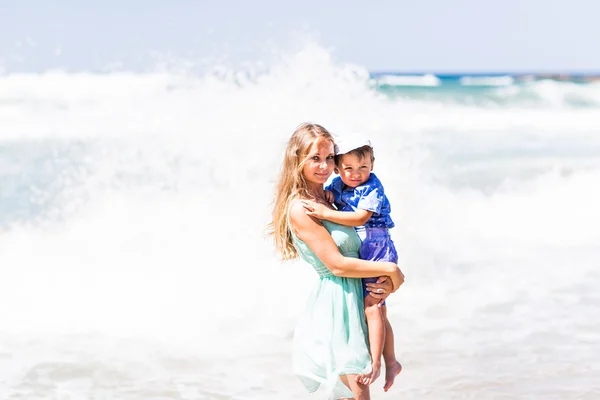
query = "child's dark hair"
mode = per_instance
[{"x": 360, "y": 153}]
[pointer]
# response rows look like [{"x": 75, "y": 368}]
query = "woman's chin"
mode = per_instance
[{"x": 322, "y": 178}]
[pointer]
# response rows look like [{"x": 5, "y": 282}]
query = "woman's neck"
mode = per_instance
[
  {"x": 317, "y": 193},
  {"x": 315, "y": 189}
]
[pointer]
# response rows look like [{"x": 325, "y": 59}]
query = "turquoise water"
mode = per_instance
[{"x": 485, "y": 90}]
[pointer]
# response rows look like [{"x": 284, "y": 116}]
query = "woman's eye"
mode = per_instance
[
  {"x": 330, "y": 157},
  {"x": 315, "y": 158}
]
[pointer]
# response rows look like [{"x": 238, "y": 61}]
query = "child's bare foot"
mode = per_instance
[
  {"x": 391, "y": 371},
  {"x": 367, "y": 379}
]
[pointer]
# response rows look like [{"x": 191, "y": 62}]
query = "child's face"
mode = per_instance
[{"x": 354, "y": 171}]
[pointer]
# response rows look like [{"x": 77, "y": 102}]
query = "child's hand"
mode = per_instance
[
  {"x": 329, "y": 196},
  {"x": 315, "y": 209}
]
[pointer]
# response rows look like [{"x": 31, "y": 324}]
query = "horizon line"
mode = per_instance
[{"x": 497, "y": 72}]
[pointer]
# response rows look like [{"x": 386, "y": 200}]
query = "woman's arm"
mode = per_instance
[{"x": 318, "y": 239}]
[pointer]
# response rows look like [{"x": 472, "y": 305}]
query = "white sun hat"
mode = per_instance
[{"x": 347, "y": 143}]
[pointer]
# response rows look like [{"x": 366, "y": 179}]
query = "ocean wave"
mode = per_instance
[
  {"x": 551, "y": 93},
  {"x": 486, "y": 80},
  {"x": 145, "y": 197},
  {"x": 427, "y": 80}
]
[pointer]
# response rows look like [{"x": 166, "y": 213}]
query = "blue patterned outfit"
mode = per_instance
[{"x": 377, "y": 245}]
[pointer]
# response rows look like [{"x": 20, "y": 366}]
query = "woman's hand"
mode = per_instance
[
  {"x": 395, "y": 275},
  {"x": 381, "y": 289},
  {"x": 397, "y": 278}
]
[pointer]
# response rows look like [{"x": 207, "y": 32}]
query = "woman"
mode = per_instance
[{"x": 330, "y": 343}]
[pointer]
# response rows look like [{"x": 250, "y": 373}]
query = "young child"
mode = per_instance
[{"x": 361, "y": 202}]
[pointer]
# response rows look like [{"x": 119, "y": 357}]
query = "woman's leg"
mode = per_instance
[{"x": 360, "y": 391}]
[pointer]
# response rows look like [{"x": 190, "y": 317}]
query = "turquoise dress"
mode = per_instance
[{"x": 330, "y": 338}]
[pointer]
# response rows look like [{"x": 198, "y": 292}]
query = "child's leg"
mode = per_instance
[
  {"x": 392, "y": 366},
  {"x": 376, "y": 328},
  {"x": 377, "y": 246}
]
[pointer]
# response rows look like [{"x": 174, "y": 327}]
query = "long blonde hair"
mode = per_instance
[{"x": 291, "y": 184}]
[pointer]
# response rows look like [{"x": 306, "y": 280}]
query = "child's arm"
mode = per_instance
[{"x": 348, "y": 218}]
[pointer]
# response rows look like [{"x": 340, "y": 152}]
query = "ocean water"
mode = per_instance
[{"x": 133, "y": 260}]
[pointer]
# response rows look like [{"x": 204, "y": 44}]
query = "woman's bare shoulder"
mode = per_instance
[
  {"x": 296, "y": 208},
  {"x": 298, "y": 217}
]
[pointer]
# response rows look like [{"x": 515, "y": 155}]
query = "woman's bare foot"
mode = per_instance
[
  {"x": 391, "y": 371},
  {"x": 367, "y": 379}
]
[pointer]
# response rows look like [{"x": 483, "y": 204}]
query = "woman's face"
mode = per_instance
[{"x": 320, "y": 162}]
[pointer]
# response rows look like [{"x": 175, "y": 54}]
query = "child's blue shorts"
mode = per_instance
[{"x": 377, "y": 245}]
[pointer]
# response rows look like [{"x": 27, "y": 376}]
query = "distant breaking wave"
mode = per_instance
[
  {"x": 409, "y": 80},
  {"x": 489, "y": 90},
  {"x": 486, "y": 80}
]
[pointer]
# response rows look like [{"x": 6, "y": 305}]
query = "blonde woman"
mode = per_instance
[{"x": 330, "y": 346}]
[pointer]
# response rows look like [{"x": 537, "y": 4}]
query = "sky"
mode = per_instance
[{"x": 381, "y": 35}]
